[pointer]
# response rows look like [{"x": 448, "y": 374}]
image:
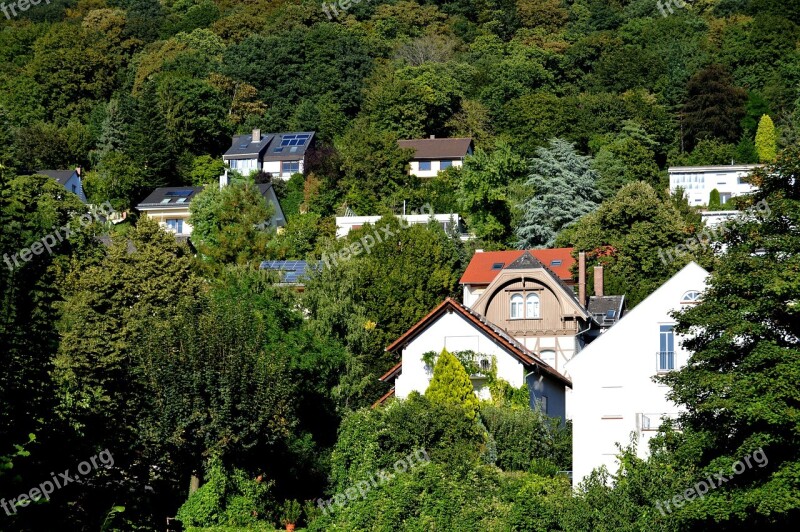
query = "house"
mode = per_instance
[
  {"x": 614, "y": 395},
  {"x": 451, "y": 221},
  {"x": 699, "y": 181},
  {"x": 279, "y": 154},
  {"x": 170, "y": 206},
  {"x": 454, "y": 327},
  {"x": 433, "y": 155},
  {"x": 521, "y": 316},
  {"x": 69, "y": 179}
]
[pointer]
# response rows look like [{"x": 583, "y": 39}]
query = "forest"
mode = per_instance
[{"x": 213, "y": 395}]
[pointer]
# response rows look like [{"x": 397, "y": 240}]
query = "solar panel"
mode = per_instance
[
  {"x": 179, "y": 193},
  {"x": 294, "y": 140}
]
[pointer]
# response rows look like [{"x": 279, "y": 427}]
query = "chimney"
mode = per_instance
[
  {"x": 582, "y": 277},
  {"x": 78, "y": 170},
  {"x": 598, "y": 281},
  {"x": 256, "y": 135},
  {"x": 433, "y": 136},
  {"x": 224, "y": 179}
]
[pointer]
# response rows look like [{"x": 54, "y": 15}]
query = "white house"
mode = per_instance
[
  {"x": 454, "y": 327},
  {"x": 433, "y": 155},
  {"x": 345, "y": 224},
  {"x": 613, "y": 394},
  {"x": 525, "y": 318},
  {"x": 170, "y": 206},
  {"x": 279, "y": 154},
  {"x": 69, "y": 179},
  {"x": 699, "y": 181}
]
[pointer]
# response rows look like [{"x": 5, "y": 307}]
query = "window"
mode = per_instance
[
  {"x": 445, "y": 164},
  {"x": 486, "y": 366},
  {"x": 290, "y": 167},
  {"x": 424, "y": 165},
  {"x": 516, "y": 306},
  {"x": 666, "y": 353},
  {"x": 74, "y": 189},
  {"x": 692, "y": 296},
  {"x": 549, "y": 356},
  {"x": 498, "y": 265},
  {"x": 532, "y": 306},
  {"x": 555, "y": 262},
  {"x": 175, "y": 225},
  {"x": 543, "y": 404}
]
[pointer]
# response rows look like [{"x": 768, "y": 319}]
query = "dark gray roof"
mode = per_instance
[
  {"x": 243, "y": 146},
  {"x": 266, "y": 189},
  {"x": 170, "y": 197},
  {"x": 606, "y": 310},
  {"x": 272, "y": 147},
  {"x": 62, "y": 176}
]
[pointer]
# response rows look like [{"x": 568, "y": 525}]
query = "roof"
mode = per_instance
[
  {"x": 62, "y": 176},
  {"x": 715, "y": 168},
  {"x": 503, "y": 339},
  {"x": 483, "y": 267},
  {"x": 272, "y": 146},
  {"x": 291, "y": 271},
  {"x": 437, "y": 148},
  {"x": 170, "y": 197},
  {"x": 383, "y": 398},
  {"x": 243, "y": 147},
  {"x": 606, "y": 310}
]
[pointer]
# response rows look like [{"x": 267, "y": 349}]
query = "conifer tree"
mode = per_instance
[
  {"x": 765, "y": 140},
  {"x": 451, "y": 385}
]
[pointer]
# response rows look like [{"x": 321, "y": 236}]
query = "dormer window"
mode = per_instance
[
  {"x": 692, "y": 297},
  {"x": 532, "y": 306},
  {"x": 516, "y": 307}
]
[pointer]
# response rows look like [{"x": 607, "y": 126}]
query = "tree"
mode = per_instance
[
  {"x": 452, "y": 386},
  {"x": 739, "y": 386},
  {"x": 367, "y": 299},
  {"x": 565, "y": 188},
  {"x": 714, "y": 202},
  {"x": 634, "y": 236},
  {"x": 231, "y": 225},
  {"x": 483, "y": 192},
  {"x": 714, "y": 107},
  {"x": 627, "y": 158},
  {"x": 765, "y": 140}
]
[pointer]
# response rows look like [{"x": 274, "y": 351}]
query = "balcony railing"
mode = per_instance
[{"x": 665, "y": 361}]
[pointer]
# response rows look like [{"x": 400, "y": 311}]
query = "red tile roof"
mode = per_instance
[
  {"x": 479, "y": 270},
  {"x": 383, "y": 398},
  {"x": 517, "y": 350}
]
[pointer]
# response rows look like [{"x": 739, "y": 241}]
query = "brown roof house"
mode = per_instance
[
  {"x": 433, "y": 155},
  {"x": 522, "y": 327}
]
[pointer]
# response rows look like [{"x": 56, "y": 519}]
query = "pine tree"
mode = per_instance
[
  {"x": 451, "y": 385},
  {"x": 765, "y": 140},
  {"x": 565, "y": 188}
]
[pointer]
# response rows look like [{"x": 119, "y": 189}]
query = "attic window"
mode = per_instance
[
  {"x": 692, "y": 296},
  {"x": 166, "y": 200},
  {"x": 498, "y": 265},
  {"x": 556, "y": 262},
  {"x": 610, "y": 314}
]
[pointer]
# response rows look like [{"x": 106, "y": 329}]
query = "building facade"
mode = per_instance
[{"x": 699, "y": 181}]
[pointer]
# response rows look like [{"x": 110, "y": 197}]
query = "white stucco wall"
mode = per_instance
[
  {"x": 699, "y": 181},
  {"x": 612, "y": 379},
  {"x": 453, "y": 332},
  {"x": 436, "y": 166},
  {"x": 275, "y": 168},
  {"x": 162, "y": 215}
]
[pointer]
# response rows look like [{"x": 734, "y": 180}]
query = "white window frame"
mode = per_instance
[{"x": 518, "y": 303}]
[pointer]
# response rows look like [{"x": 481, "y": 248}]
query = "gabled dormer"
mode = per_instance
[{"x": 527, "y": 299}]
